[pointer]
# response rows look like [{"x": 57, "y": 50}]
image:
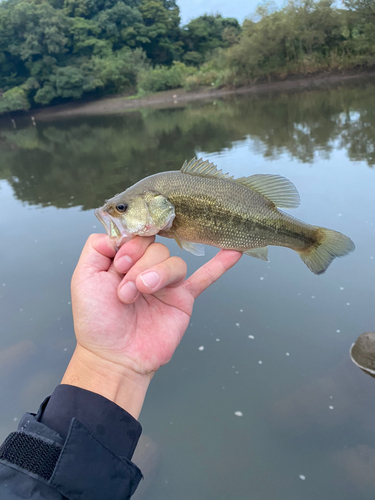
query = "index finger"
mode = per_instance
[
  {"x": 206, "y": 275},
  {"x": 131, "y": 252}
]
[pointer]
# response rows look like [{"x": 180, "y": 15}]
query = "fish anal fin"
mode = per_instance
[
  {"x": 279, "y": 190},
  {"x": 258, "y": 253}
]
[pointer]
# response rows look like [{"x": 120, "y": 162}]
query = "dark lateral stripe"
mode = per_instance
[{"x": 30, "y": 453}]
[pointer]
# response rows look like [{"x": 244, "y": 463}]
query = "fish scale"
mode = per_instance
[
  {"x": 200, "y": 205},
  {"x": 222, "y": 213}
]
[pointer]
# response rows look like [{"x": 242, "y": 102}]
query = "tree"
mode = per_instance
[
  {"x": 161, "y": 19},
  {"x": 54, "y": 50},
  {"x": 14, "y": 100},
  {"x": 205, "y": 34}
]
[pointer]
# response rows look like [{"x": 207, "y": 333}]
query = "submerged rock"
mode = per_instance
[{"x": 362, "y": 353}]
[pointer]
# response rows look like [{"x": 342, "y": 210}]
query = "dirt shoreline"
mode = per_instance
[{"x": 179, "y": 97}]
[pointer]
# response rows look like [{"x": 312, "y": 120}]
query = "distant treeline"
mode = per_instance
[{"x": 57, "y": 50}]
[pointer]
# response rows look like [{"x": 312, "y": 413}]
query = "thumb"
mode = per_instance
[{"x": 96, "y": 256}]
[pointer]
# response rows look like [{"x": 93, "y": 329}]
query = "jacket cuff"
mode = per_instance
[
  {"x": 84, "y": 458},
  {"x": 79, "y": 466},
  {"x": 115, "y": 427}
]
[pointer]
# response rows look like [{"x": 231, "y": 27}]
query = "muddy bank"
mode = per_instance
[{"x": 179, "y": 97}]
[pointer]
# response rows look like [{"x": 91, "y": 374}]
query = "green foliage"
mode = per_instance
[
  {"x": 205, "y": 34},
  {"x": 58, "y": 50},
  {"x": 164, "y": 78},
  {"x": 303, "y": 37},
  {"x": 119, "y": 71},
  {"x": 161, "y": 19},
  {"x": 202, "y": 78},
  {"x": 115, "y": 73},
  {"x": 14, "y": 100}
]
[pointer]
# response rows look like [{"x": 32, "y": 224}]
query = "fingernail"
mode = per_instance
[
  {"x": 150, "y": 279},
  {"x": 128, "y": 292},
  {"x": 124, "y": 263}
]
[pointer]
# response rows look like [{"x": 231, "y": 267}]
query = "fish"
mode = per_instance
[{"x": 200, "y": 205}]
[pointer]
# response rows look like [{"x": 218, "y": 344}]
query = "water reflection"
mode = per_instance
[
  {"x": 299, "y": 325},
  {"x": 355, "y": 468},
  {"x": 329, "y": 412},
  {"x": 88, "y": 160}
]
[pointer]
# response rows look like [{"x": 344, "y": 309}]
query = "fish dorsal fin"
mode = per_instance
[
  {"x": 203, "y": 169},
  {"x": 280, "y": 191},
  {"x": 275, "y": 188}
]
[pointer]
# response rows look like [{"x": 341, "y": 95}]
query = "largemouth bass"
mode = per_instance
[{"x": 199, "y": 205}]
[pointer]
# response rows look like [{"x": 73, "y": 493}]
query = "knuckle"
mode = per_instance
[
  {"x": 208, "y": 275},
  {"x": 131, "y": 246},
  {"x": 179, "y": 264},
  {"x": 160, "y": 249},
  {"x": 142, "y": 241},
  {"x": 136, "y": 247}
]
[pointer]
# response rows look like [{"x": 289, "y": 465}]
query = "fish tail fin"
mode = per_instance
[{"x": 329, "y": 245}]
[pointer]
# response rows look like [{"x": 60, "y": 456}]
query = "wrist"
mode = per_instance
[{"x": 116, "y": 382}]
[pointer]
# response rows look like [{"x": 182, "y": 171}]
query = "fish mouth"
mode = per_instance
[{"x": 114, "y": 229}]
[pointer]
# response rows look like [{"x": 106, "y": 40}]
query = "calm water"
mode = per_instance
[{"x": 308, "y": 424}]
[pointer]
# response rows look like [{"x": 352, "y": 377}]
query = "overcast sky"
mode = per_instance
[{"x": 227, "y": 8}]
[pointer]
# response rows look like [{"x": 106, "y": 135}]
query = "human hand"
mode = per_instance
[{"x": 126, "y": 328}]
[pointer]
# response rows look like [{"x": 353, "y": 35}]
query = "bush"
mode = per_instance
[
  {"x": 14, "y": 99},
  {"x": 202, "y": 79},
  {"x": 65, "y": 82},
  {"x": 115, "y": 73},
  {"x": 193, "y": 58},
  {"x": 118, "y": 72},
  {"x": 164, "y": 78}
]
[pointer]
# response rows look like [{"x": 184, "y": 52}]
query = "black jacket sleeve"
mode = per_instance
[{"x": 77, "y": 447}]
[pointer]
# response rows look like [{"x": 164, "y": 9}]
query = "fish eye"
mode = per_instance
[{"x": 121, "y": 207}]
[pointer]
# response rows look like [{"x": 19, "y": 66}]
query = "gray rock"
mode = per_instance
[{"x": 362, "y": 353}]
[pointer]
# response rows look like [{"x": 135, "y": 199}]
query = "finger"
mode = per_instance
[
  {"x": 155, "y": 254},
  {"x": 131, "y": 252},
  {"x": 171, "y": 273},
  {"x": 206, "y": 275},
  {"x": 97, "y": 255}
]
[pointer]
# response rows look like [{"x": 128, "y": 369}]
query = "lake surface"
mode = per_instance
[{"x": 276, "y": 337}]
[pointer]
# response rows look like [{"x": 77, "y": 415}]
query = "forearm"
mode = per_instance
[{"x": 116, "y": 382}]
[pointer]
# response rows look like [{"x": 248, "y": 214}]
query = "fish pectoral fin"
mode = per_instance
[
  {"x": 194, "y": 248},
  {"x": 177, "y": 239},
  {"x": 258, "y": 253},
  {"x": 282, "y": 192}
]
